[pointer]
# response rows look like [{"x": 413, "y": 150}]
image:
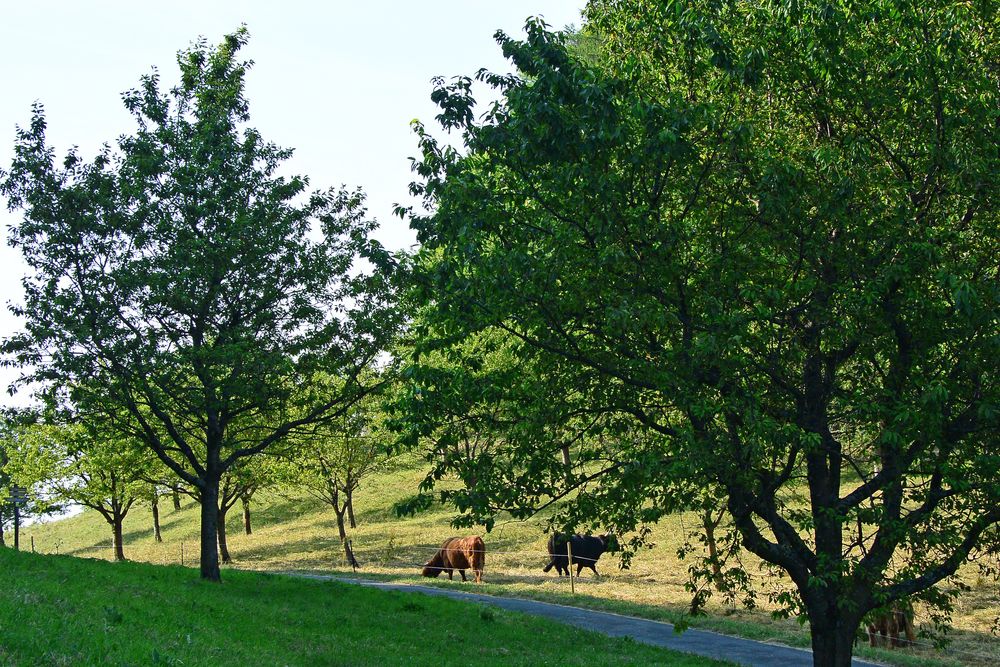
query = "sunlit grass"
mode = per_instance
[{"x": 56, "y": 610}]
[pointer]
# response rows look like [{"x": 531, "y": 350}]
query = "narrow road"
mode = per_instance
[{"x": 657, "y": 633}]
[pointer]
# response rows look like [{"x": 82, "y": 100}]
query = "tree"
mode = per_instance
[
  {"x": 74, "y": 463},
  {"x": 5, "y": 484},
  {"x": 240, "y": 484},
  {"x": 180, "y": 283},
  {"x": 766, "y": 233},
  {"x": 154, "y": 505},
  {"x": 330, "y": 460},
  {"x": 476, "y": 407},
  {"x": 21, "y": 496}
]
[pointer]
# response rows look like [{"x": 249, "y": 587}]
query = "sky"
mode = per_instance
[{"x": 339, "y": 81}]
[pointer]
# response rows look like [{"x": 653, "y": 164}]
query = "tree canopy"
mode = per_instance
[{"x": 765, "y": 234}]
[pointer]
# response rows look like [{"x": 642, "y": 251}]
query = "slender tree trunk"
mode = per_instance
[
  {"x": 176, "y": 495},
  {"x": 210, "y": 530},
  {"x": 350, "y": 508},
  {"x": 246, "y": 514},
  {"x": 333, "y": 498},
  {"x": 116, "y": 537},
  {"x": 223, "y": 546},
  {"x": 156, "y": 518},
  {"x": 339, "y": 511},
  {"x": 3, "y": 543},
  {"x": 713, "y": 548},
  {"x": 340, "y": 522}
]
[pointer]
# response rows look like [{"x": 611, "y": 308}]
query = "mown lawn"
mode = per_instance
[
  {"x": 297, "y": 533},
  {"x": 60, "y": 610}
]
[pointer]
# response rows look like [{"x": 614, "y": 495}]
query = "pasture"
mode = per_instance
[
  {"x": 292, "y": 533},
  {"x": 57, "y": 610}
]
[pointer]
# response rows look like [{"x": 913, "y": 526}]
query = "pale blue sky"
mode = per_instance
[{"x": 338, "y": 81}]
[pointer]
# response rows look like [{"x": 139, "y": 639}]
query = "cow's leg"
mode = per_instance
[
  {"x": 450, "y": 578},
  {"x": 462, "y": 572}
]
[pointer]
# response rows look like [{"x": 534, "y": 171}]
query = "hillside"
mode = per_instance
[
  {"x": 58, "y": 610},
  {"x": 292, "y": 533}
]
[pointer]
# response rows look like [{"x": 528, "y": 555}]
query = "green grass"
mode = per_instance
[
  {"x": 294, "y": 533},
  {"x": 58, "y": 610}
]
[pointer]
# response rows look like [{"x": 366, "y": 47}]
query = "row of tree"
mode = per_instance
[
  {"x": 73, "y": 464},
  {"x": 732, "y": 257}
]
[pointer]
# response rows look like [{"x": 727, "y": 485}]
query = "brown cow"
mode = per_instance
[
  {"x": 884, "y": 629},
  {"x": 458, "y": 553}
]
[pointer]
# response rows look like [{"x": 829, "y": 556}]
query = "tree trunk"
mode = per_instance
[
  {"x": 246, "y": 515},
  {"x": 176, "y": 497},
  {"x": 833, "y": 648},
  {"x": 210, "y": 530},
  {"x": 713, "y": 548},
  {"x": 350, "y": 508},
  {"x": 340, "y": 524},
  {"x": 833, "y": 633},
  {"x": 156, "y": 518},
  {"x": 116, "y": 526},
  {"x": 223, "y": 547}
]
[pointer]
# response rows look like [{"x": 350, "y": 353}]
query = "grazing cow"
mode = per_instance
[
  {"x": 586, "y": 550},
  {"x": 458, "y": 553},
  {"x": 884, "y": 629}
]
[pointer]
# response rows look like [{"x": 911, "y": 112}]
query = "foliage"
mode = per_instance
[
  {"x": 37, "y": 501},
  {"x": 75, "y": 464},
  {"x": 182, "y": 286},
  {"x": 330, "y": 460},
  {"x": 765, "y": 234}
]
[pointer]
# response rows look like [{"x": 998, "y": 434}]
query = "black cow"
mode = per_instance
[{"x": 586, "y": 550}]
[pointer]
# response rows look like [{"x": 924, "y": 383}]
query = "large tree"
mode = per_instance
[
  {"x": 767, "y": 233},
  {"x": 180, "y": 284}
]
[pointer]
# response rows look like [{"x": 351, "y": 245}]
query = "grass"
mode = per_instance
[
  {"x": 299, "y": 534},
  {"x": 58, "y": 610}
]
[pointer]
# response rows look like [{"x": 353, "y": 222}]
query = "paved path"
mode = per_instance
[{"x": 698, "y": 642}]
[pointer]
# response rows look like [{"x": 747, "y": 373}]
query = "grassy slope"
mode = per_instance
[
  {"x": 300, "y": 534},
  {"x": 58, "y": 610}
]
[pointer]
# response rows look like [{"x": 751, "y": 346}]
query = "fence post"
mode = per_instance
[
  {"x": 182, "y": 554},
  {"x": 569, "y": 555},
  {"x": 32, "y": 544}
]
